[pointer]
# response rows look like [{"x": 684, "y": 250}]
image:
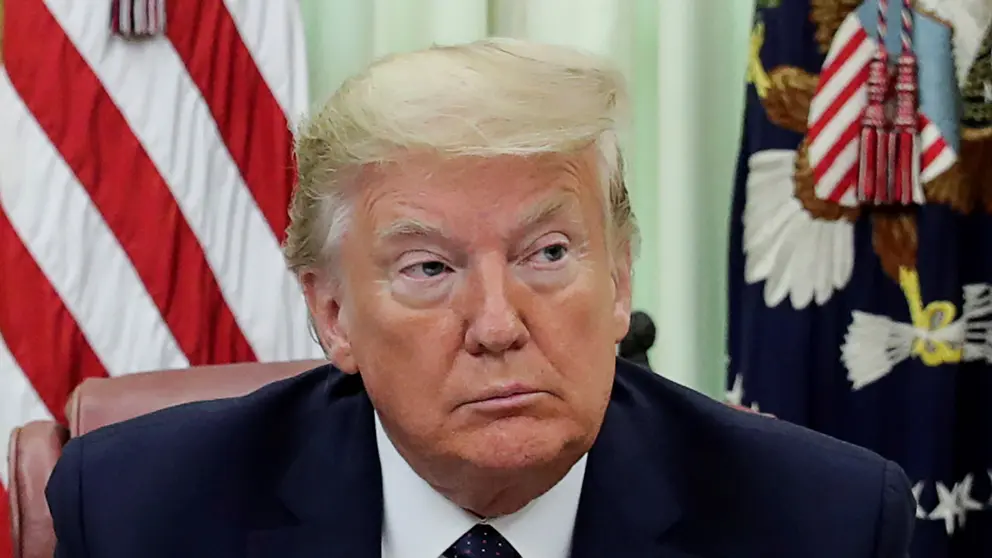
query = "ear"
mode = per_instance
[
  {"x": 622, "y": 292},
  {"x": 323, "y": 296}
]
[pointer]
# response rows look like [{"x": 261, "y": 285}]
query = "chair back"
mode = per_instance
[{"x": 35, "y": 447}]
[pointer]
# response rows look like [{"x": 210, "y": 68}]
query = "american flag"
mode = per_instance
[{"x": 144, "y": 185}]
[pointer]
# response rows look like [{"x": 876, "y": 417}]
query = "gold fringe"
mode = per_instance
[
  {"x": 828, "y": 15},
  {"x": 894, "y": 238},
  {"x": 789, "y": 94},
  {"x": 806, "y": 192}
]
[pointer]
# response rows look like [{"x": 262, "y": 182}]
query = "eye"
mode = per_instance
[
  {"x": 425, "y": 270},
  {"x": 554, "y": 252},
  {"x": 551, "y": 253}
]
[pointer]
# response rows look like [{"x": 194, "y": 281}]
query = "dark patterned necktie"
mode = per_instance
[{"x": 482, "y": 541}]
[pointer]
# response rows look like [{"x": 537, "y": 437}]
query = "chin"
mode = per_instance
[{"x": 521, "y": 443}]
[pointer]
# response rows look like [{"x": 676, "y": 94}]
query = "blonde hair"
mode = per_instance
[{"x": 486, "y": 98}]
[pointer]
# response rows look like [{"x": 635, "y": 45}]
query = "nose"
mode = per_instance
[{"x": 494, "y": 322}]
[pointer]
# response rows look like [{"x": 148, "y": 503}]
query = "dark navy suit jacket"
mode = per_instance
[{"x": 292, "y": 471}]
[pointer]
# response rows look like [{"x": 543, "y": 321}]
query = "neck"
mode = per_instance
[{"x": 488, "y": 495}]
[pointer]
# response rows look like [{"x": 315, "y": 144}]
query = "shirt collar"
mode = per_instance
[{"x": 418, "y": 522}]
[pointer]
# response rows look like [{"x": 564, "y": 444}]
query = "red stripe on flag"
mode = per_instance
[
  {"x": 845, "y": 184},
  {"x": 41, "y": 334},
  {"x": 838, "y": 62},
  {"x": 838, "y": 102},
  {"x": 850, "y": 134},
  {"x": 204, "y": 33},
  {"x": 83, "y": 123},
  {"x": 933, "y": 151},
  {"x": 6, "y": 545}
]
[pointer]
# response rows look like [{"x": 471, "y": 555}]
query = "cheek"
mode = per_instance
[
  {"x": 575, "y": 332},
  {"x": 404, "y": 356},
  {"x": 590, "y": 305}
]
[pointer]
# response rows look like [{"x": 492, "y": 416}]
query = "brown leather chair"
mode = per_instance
[{"x": 36, "y": 446}]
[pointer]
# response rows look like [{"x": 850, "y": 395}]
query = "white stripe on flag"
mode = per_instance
[
  {"x": 66, "y": 235},
  {"x": 845, "y": 75},
  {"x": 177, "y": 130},
  {"x": 271, "y": 31},
  {"x": 21, "y": 404},
  {"x": 848, "y": 114},
  {"x": 847, "y": 29},
  {"x": 846, "y": 160},
  {"x": 943, "y": 161}
]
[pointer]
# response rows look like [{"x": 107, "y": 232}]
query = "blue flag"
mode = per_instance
[{"x": 861, "y": 243}]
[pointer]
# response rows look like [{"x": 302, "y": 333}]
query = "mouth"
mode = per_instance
[{"x": 506, "y": 398}]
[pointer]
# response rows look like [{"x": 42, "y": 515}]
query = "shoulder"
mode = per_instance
[
  {"x": 172, "y": 465},
  {"x": 205, "y": 427},
  {"x": 767, "y": 445},
  {"x": 768, "y": 474}
]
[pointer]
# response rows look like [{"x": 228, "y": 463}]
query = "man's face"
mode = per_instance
[{"x": 481, "y": 305}]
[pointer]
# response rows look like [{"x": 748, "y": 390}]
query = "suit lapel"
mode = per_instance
[
  {"x": 331, "y": 490},
  {"x": 630, "y": 495}
]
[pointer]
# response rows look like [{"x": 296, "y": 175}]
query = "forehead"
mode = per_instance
[{"x": 479, "y": 186}]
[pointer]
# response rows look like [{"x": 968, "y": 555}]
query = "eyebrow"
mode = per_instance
[
  {"x": 544, "y": 211},
  {"x": 538, "y": 214},
  {"x": 409, "y": 228}
]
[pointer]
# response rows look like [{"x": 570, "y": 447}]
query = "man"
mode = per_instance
[{"x": 464, "y": 239}]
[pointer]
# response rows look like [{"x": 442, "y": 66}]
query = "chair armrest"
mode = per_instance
[{"x": 33, "y": 451}]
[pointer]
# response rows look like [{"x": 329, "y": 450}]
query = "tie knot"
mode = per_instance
[{"x": 482, "y": 541}]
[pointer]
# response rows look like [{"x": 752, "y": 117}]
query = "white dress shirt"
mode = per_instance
[{"x": 418, "y": 522}]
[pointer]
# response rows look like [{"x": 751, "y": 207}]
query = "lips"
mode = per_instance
[{"x": 505, "y": 392}]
